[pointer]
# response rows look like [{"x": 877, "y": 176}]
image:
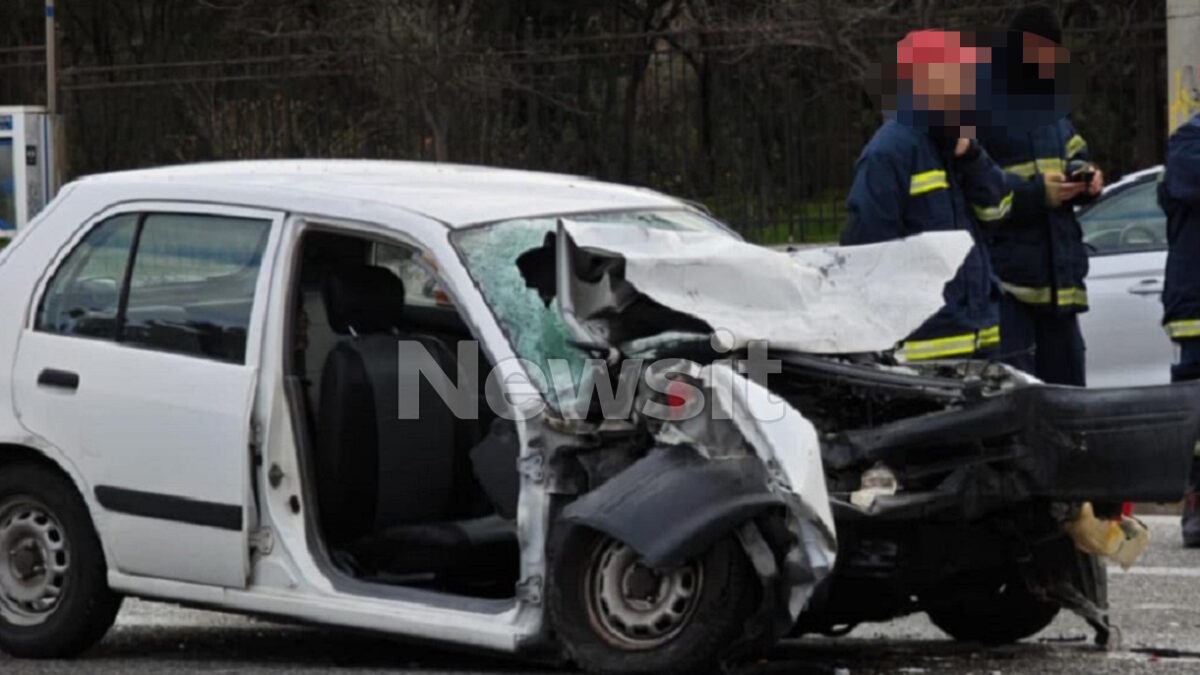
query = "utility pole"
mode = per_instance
[
  {"x": 56, "y": 155},
  {"x": 1183, "y": 61},
  {"x": 51, "y": 61}
]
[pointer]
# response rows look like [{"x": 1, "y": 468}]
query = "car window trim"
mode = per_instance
[
  {"x": 681, "y": 207},
  {"x": 127, "y": 277}
]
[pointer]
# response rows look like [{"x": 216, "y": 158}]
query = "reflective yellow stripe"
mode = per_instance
[
  {"x": 1029, "y": 296},
  {"x": 1072, "y": 296},
  {"x": 1040, "y": 165},
  {"x": 1076, "y": 145},
  {"x": 1184, "y": 328},
  {"x": 1041, "y": 296},
  {"x": 990, "y": 214},
  {"x": 957, "y": 345},
  {"x": 921, "y": 350},
  {"x": 927, "y": 181},
  {"x": 989, "y": 337}
]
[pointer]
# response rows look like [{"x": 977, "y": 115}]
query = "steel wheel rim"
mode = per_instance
[
  {"x": 34, "y": 562},
  {"x": 634, "y": 607}
]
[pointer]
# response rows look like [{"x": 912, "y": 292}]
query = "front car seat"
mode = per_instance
[{"x": 386, "y": 486}]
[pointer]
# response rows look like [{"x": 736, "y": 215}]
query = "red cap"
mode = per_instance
[{"x": 933, "y": 46}]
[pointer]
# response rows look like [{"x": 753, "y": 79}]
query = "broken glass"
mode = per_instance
[{"x": 536, "y": 330}]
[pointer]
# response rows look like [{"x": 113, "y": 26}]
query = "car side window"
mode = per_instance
[
  {"x": 1129, "y": 221},
  {"x": 192, "y": 284},
  {"x": 420, "y": 287},
  {"x": 188, "y": 286},
  {"x": 82, "y": 298}
]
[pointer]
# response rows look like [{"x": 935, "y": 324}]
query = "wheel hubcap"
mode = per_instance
[
  {"x": 634, "y": 606},
  {"x": 33, "y": 570}
]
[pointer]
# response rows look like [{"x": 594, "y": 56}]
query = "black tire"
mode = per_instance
[
  {"x": 85, "y": 607},
  {"x": 726, "y": 593},
  {"x": 994, "y": 609}
]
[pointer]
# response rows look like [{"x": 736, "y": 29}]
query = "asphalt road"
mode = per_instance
[{"x": 1156, "y": 606}]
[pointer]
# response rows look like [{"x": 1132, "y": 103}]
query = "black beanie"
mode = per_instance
[{"x": 1038, "y": 19}]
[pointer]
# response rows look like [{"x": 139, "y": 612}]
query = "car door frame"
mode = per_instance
[
  {"x": 112, "y": 533},
  {"x": 332, "y": 596}
]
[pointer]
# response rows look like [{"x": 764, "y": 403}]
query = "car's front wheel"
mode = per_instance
[
  {"x": 992, "y": 608},
  {"x": 616, "y": 615},
  {"x": 54, "y": 595}
]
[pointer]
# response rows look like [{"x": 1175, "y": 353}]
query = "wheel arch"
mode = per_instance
[
  {"x": 12, "y": 453},
  {"x": 673, "y": 504},
  {"x": 16, "y": 453}
]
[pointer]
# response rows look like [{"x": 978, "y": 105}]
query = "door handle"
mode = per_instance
[
  {"x": 1147, "y": 287},
  {"x": 61, "y": 379}
]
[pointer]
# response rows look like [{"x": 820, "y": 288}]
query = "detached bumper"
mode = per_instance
[{"x": 1061, "y": 443}]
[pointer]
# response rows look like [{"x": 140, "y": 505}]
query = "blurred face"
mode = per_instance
[
  {"x": 946, "y": 87},
  {"x": 1044, "y": 53}
]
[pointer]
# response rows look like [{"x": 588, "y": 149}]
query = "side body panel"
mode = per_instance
[{"x": 1122, "y": 330}]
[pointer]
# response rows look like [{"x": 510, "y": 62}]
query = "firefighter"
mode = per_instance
[
  {"x": 1179, "y": 195},
  {"x": 1039, "y": 256},
  {"x": 918, "y": 174}
]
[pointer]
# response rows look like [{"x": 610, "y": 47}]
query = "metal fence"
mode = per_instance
[{"x": 763, "y": 132}]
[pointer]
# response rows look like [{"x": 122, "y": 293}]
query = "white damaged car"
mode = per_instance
[{"x": 525, "y": 413}]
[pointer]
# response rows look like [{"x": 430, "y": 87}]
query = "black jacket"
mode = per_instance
[
  {"x": 1039, "y": 254},
  {"x": 1179, "y": 195},
  {"x": 906, "y": 183}
]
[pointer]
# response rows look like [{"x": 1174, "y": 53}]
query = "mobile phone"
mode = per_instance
[{"x": 1084, "y": 176}]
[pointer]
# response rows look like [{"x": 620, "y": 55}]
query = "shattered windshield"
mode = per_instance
[{"x": 536, "y": 331}]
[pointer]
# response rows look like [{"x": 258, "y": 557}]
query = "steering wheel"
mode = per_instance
[{"x": 1138, "y": 235}]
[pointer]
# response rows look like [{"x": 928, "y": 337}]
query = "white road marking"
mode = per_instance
[
  {"x": 1155, "y": 571},
  {"x": 1164, "y": 607},
  {"x": 1159, "y": 519}
]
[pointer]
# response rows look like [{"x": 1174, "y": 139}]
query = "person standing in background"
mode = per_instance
[
  {"x": 1179, "y": 196},
  {"x": 922, "y": 175},
  {"x": 1039, "y": 255}
]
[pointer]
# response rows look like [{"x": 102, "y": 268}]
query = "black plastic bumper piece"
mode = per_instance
[{"x": 1070, "y": 444}]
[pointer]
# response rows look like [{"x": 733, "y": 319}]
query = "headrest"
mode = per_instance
[{"x": 362, "y": 299}]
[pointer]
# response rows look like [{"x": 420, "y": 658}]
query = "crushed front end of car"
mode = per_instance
[
  {"x": 721, "y": 466},
  {"x": 963, "y": 489},
  {"x": 987, "y": 474}
]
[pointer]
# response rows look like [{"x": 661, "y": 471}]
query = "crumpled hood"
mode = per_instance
[{"x": 827, "y": 300}]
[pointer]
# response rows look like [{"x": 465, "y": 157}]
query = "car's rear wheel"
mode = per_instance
[
  {"x": 54, "y": 595},
  {"x": 616, "y": 615},
  {"x": 994, "y": 608}
]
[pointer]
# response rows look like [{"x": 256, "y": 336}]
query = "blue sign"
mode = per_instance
[{"x": 6, "y": 122}]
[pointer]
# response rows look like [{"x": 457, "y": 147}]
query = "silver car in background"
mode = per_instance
[{"x": 1126, "y": 234}]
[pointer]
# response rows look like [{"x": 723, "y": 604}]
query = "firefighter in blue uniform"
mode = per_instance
[
  {"x": 914, "y": 178},
  {"x": 1040, "y": 256},
  {"x": 1179, "y": 195}
]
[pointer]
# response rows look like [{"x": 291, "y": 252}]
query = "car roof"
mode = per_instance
[
  {"x": 456, "y": 195},
  {"x": 1135, "y": 177}
]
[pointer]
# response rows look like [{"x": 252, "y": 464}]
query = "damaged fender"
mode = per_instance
[
  {"x": 673, "y": 504},
  {"x": 747, "y": 453}
]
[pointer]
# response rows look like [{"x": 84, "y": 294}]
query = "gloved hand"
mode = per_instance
[{"x": 1058, "y": 191}]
